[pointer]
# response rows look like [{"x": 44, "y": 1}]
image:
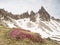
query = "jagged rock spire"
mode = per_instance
[
  {"x": 32, "y": 16},
  {"x": 44, "y": 14},
  {"x": 32, "y": 13},
  {"x": 24, "y": 15}
]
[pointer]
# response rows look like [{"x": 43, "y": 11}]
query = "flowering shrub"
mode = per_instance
[{"x": 20, "y": 34}]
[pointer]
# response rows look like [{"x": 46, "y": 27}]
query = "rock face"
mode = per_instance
[
  {"x": 4, "y": 14},
  {"x": 44, "y": 14},
  {"x": 32, "y": 16},
  {"x": 24, "y": 15}
]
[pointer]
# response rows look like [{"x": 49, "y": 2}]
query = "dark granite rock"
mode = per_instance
[
  {"x": 32, "y": 16},
  {"x": 44, "y": 14}
]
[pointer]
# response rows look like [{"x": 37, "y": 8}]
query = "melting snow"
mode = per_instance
[{"x": 34, "y": 27}]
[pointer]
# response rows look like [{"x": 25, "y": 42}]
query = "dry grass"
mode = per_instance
[{"x": 5, "y": 39}]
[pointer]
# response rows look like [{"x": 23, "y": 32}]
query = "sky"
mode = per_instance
[{"x": 20, "y": 6}]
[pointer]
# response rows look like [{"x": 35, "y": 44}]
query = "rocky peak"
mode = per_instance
[
  {"x": 32, "y": 13},
  {"x": 4, "y": 14},
  {"x": 24, "y": 15},
  {"x": 2, "y": 11},
  {"x": 32, "y": 16},
  {"x": 55, "y": 19},
  {"x": 44, "y": 14}
]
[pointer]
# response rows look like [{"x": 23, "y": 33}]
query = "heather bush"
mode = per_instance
[
  {"x": 20, "y": 34},
  {"x": 6, "y": 38}
]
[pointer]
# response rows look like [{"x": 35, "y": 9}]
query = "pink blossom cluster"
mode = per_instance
[{"x": 20, "y": 34}]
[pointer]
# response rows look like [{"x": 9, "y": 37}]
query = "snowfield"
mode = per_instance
[{"x": 44, "y": 28}]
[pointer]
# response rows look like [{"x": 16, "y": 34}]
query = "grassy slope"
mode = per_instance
[{"x": 5, "y": 40}]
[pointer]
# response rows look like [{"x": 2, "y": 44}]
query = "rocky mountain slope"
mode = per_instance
[{"x": 40, "y": 22}]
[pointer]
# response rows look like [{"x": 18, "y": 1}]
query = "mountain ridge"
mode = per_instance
[
  {"x": 43, "y": 14},
  {"x": 40, "y": 22}
]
